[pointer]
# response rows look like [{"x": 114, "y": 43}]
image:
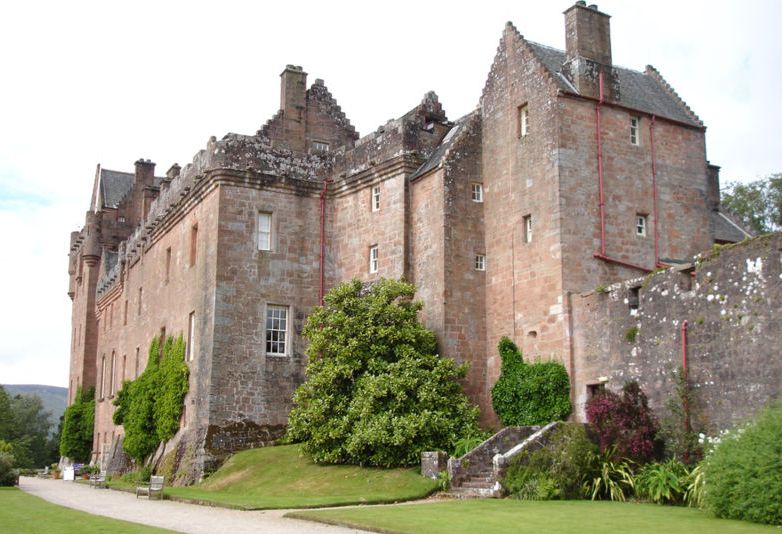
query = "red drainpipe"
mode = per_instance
[
  {"x": 323, "y": 237},
  {"x": 598, "y": 105},
  {"x": 654, "y": 196},
  {"x": 685, "y": 373}
]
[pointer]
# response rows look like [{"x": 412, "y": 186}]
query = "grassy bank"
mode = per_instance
[
  {"x": 501, "y": 516},
  {"x": 21, "y": 512},
  {"x": 283, "y": 477}
]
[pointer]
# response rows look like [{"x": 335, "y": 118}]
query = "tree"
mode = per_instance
[
  {"x": 376, "y": 391},
  {"x": 24, "y": 425},
  {"x": 758, "y": 204},
  {"x": 77, "y": 427},
  {"x": 529, "y": 394}
]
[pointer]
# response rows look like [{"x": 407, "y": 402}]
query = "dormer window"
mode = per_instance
[{"x": 319, "y": 146}]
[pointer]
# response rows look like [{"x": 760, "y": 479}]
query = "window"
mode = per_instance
[
  {"x": 140, "y": 294},
  {"x": 190, "y": 336},
  {"x": 477, "y": 192},
  {"x": 264, "y": 231},
  {"x": 121, "y": 219},
  {"x": 640, "y": 225},
  {"x": 135, "y": 371},
  {"x": 113, "y": 373},
  {"x": 480, "y": 262},
  {"x": 528, "y": 228},
  {"x": 276, "y": 330},
  {"x": 320, "y": 146},
  {"x": 124, "y": 366},
  {"x": 168, "y": 263},
  {"x": 193, "y": 244},
  {"x": 593, "y": 390},
  {"x": 635, "y": 132},
  {"x": 373, "y": 255},
  {"x": 376, "y": 198},
  {"x": 125, "y": 314},
  {"x": 523, "y": 121},
  {"x": 111, "y": 315},
  {"x": 102, "y": 375}
]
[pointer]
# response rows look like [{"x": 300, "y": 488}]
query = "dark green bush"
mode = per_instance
[
  {"x": 529, "y": 394},
  {"x": 556, "y": 471},
  {"x": 744, "y": 473},
  {"x": 376, "y": 391},
  {"x": 8, "y": 474},
  {"x": 77, "y": 426}
]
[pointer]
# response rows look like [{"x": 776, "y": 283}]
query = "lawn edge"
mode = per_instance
[{"x": 304, "y": 516}]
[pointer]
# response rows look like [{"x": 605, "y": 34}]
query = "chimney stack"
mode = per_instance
[
  {"x": 145, "y": 173},
  {"x": 588, "y": 51},
  {"x": 293, "y": 103}
]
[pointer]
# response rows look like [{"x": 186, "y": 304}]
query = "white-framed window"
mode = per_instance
[
  {"x": 477, "y": 192},
  {"x": 523, "y": 119},
  {"x": 320, "y": 146},
  {"x": 640, "y": 225},
  {"x": 373, "y": 259},
  {"x": 375, "y": 201},
  {"x": 276, "y": 330},
  {"x": 635, "y": 131},
  {"x": 527, "y": 222},
  {"x": 264, "y": 231},
  {"x": 480, "y": 262},
  {"x": 190, "y": 337}
]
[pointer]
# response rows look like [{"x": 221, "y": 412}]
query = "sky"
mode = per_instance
[{"x": 83, "y": 83}]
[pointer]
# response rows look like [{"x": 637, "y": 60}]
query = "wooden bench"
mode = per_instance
[
  {"x": 99, "y": 480},
  {"x": 154, "y": 486}
]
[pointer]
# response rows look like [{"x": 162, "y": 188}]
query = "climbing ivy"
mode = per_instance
[
  {"x": 529, "y": 394},
  {"x": 150, "y": 407}
]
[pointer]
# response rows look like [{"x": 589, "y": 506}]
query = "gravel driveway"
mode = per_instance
[{"x": 169, "y": 514}]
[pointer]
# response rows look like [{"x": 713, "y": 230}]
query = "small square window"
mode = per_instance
[
  {"x": 477, "y": 192},
  {"x": 528, "y": 228},
  {"x": 373, "y": 259},
  {"x": 276, "y": 330},
  {"x": 640, "y": 225},
  {"x": 264, "y": 231},
  {"x": 320, "y": 146},
  {"x": 523, "y": 121},
  {"x": 376, "y": 198},
  {"x": 635, "y": 131},
  {"x": 480, "y": 262}
]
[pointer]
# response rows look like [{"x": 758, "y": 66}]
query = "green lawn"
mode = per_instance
[
  {"x": 21, "y": 512},
  {"x": 283, "y": 477},
  {"x": 499, "y": 516}
]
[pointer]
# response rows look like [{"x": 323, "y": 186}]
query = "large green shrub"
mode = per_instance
[
  {"x": 8, "y": 474},
  {"x": 376, "y": 391},
  {"x": 663, "y": 482},
  {"x": 555, "y": 471},
  {"x": 77, "y": 427},
  {"x": 150, "y": 407},
  {"x": 529, "y": 394},
  {"x": 743, "y": 475}
]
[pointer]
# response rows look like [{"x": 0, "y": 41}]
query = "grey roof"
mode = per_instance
[
  {"x": 726, "y": 228},
  {"x": 638, "y": 90},
  {"x": 439, "y": 153},
  {"x": 114, "y": 185}
]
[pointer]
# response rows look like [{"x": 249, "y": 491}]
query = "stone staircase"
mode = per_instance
[{"x": 478, "y": 473}]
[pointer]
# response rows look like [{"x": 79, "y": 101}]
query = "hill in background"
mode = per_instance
[{"x": 54, "y": 398}]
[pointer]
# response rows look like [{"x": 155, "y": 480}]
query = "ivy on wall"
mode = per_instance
[
  {"x": 151, "y": 406},
  {"x": 529, "y": 394}
]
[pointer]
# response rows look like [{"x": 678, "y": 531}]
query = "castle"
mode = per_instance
[{"x": 571, "y": 174}]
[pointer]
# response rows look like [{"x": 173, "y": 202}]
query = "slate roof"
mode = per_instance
[
  {"x": 725, "y": 227},
  {"x": 638, "y": 90},
  {"x": 442, "y": 149},
  {"x": 114, "y": 185}
]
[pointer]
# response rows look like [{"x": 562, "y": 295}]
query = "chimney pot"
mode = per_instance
[{"x": 593, "y": 7}]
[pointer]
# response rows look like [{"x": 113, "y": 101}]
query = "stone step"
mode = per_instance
[{"x": 477, "y": 484}]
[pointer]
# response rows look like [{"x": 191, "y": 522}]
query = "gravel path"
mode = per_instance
[{"x": 172, "y": 515}]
